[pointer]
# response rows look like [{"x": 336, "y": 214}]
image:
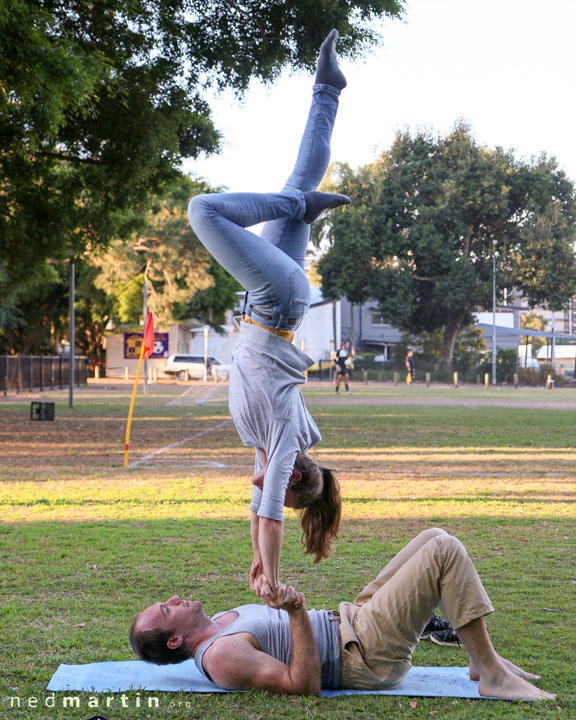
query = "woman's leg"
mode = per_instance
[
  {"x": 219, "y": 221},
  {"x": 292, "y": 235},
  {"x": 270, "y": 267},
  {"x": 313, "y": 158}
]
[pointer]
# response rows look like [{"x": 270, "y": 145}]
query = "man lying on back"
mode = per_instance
[{"x": 366, "y": 645}]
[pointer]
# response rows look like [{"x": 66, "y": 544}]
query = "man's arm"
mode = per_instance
[{"x": 235, "y": 664}]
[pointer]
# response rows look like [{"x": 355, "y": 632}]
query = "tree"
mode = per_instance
[
  {"x": 469, "y": 348},
  {"x": 182, "y": 278},
  {"x": 100, "y": 102},
  {"x": 533, "y": 321},
  {"x": 426, "y": 220},
  {"x": 34, "y": 316}
]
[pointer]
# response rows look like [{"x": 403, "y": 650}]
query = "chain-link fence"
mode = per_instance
[{"x": 39, "y": 372}]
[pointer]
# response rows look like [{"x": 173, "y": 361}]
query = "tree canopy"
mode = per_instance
[
  {"x": 426, "y": 220},
  {"x": 100, "y": 102},
  {"x": 183, "y": 281}
]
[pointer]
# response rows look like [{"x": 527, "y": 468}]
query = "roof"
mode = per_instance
[{"x": 523, "y": 332}]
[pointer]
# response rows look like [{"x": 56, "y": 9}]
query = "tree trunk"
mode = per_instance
[{"x": 451, "y": 330}]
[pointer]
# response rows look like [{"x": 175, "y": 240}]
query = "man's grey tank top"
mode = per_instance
[{"x": 271, "y": 628}]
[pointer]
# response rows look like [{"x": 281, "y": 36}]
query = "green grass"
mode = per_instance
[{"x": 84, "y": 544}]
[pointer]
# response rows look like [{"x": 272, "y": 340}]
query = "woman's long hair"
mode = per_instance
[{"x": 318, "y": 496}]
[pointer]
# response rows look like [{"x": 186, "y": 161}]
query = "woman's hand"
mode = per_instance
[
  {"x": 264, "y": 590},
  {"x": 255, "y": 573}
]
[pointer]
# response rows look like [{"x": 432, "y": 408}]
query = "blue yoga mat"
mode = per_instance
[{"x": 138, "y": 675}]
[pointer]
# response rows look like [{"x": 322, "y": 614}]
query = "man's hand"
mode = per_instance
[
  {"x": 286, "y": 597},
  {"x": 290, "y": 599}
]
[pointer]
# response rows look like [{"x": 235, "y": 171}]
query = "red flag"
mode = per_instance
[{"x": 148, "y": 339}]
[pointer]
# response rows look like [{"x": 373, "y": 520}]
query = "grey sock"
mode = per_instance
[
  {"x": 317, "y": 202},
  {"x": 327, "y": 70}
]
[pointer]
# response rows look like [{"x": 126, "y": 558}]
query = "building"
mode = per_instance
[{"x": 123, "y": 348}]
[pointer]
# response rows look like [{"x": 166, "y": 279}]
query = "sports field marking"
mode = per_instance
[
  {"x": 135, "y": 463},
  {"x": 194, "y": 395}
]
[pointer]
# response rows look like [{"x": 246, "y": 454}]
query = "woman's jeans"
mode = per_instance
[{"x": 271, "y": 266}]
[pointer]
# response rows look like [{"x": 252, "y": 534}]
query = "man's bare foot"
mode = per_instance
[
  {"x": 474, "y": 672},
  {"x": 501, "y": 682}
]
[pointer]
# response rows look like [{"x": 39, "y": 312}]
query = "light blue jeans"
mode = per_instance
[{"x": 271, "y": 266}]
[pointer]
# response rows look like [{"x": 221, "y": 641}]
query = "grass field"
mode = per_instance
[{"x": 85, "y": 544}]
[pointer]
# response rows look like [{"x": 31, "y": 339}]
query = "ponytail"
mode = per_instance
[{"x": 320, "y": 519}]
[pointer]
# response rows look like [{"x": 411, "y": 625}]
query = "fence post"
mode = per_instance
[
  {"x": 126, "y": 373},
  {"x": 365, "y": 377},
  {"x": 485, "y": 380},
  {"x": 515, "y": 380},
  {"x": 395, "y": 378},
  {"x": 455, "y": 379},
  {"x": 427, "y": 379}
]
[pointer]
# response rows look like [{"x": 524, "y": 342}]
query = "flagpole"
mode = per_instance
[
  {"x": 146, "y": 350},
  {"x": 134, "y": 389}
]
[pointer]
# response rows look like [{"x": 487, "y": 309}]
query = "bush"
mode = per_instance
[{"x": 537, "y": 377}]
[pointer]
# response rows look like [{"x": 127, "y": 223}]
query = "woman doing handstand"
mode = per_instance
[{"x": 265, "y": 401}]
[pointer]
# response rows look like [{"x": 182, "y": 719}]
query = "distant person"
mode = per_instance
[
  {"x": 410, "y": 367},
  {"x": 265, "y": 399},
  {"x": 342, "y": 359},
  {"x": 367, "y": 644}
]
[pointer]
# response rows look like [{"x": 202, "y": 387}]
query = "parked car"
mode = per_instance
[{"x": 187, "y": 367}]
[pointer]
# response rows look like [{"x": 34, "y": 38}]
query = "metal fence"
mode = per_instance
[{"x": 39, "y": 372}]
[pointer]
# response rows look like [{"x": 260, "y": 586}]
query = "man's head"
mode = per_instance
[
  {"x": 164, "y": 632},
  {"x": 345, "y": 344}
]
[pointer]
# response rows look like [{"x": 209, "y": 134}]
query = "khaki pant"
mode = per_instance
[{"x": 381, "y": 628}]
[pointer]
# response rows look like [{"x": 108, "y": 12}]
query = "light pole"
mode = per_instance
[
  {"x": 72, "y": 321},
  {"x": 494, "y": 350},
  {"x": 145, "y": 313},
  {"x": 205, "y": 373}
]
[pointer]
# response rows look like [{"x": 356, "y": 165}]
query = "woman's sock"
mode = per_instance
[
  {"x": 317, "y": 202},
  {"x": 327, "y": 70}
]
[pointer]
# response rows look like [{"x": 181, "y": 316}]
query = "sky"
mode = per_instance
[{"x": 507, "y": 67}]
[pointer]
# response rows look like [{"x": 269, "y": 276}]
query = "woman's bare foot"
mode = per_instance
[
  {"x": 474, "y": 672},
  {"x": 501, "y": 682}
]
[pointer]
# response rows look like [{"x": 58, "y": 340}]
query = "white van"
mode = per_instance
[{"x": 187, "y": 367}]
